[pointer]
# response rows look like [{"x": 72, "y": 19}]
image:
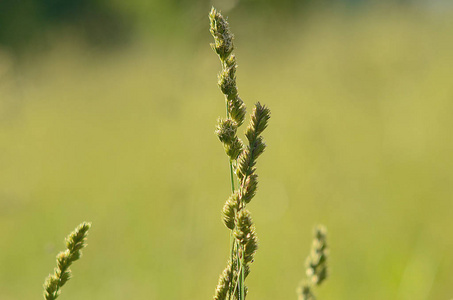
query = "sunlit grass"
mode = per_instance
[{"x": 360, "y": 141}]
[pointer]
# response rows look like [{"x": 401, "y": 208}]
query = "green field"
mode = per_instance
[{"x": 359, "y": 140}]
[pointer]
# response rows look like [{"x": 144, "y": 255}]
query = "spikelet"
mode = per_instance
[
  {"x": 230, "y": 209},
  {"x": 243, "y": 226},
  {"x": 223, "y": 38},
  {"x": 226, "y": 132},
  {"x": 249, "y": 187}
]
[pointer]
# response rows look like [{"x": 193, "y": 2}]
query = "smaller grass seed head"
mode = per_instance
[
  {"x": 226, "y": 130},
  {"x": 243, "y": 165},
  {"x": 258, "y": 121},
  {"x": 316, "y": 264},
  {"x": 220, "y": 30},
  {"x": 250, "y": 247},
  {"x": 234, "y": 148},
  {"x": 75, "y": 242},
  {"x": 230, "y": 209},
  {"x": 250, "y": 187},
  {"x": 224, "y": 283},
  {"x": 244, "y": 228},
  {"x": 237, "y": 109},
  {"x": 227, "y": 82}
]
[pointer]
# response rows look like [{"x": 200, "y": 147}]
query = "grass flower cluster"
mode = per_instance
[
  {"x": 316, "y": 265},
  {"x": 75, "y": 242},
  {"x": 242, "y": 161}
]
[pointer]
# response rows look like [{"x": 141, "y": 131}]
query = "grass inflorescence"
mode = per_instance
[
  {"x": 242, "y": 161},
  {"x": 315, "y": 265},
  {"x": 75, "y": 242}
]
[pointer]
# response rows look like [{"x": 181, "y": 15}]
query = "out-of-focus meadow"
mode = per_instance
[{"x": 122, "y": 135}]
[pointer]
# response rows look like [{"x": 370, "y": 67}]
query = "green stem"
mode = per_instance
[
  {"x": 232, "y": 177},
  {"x": 238, "y": 283},
  {"x": 242, "y": 278}
]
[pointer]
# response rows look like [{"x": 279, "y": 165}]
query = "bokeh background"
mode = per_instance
[{"x": 107, "y": 111}]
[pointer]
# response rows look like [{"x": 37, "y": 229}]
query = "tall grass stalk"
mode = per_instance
[
  {"x": 75, "y": 242},
  {"x": 242, "y": 161}
]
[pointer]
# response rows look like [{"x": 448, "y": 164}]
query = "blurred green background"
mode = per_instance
[{"x": 107, "y": 112}]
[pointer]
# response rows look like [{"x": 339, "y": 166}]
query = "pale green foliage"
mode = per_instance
[{"x": 75, "y": 242}]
